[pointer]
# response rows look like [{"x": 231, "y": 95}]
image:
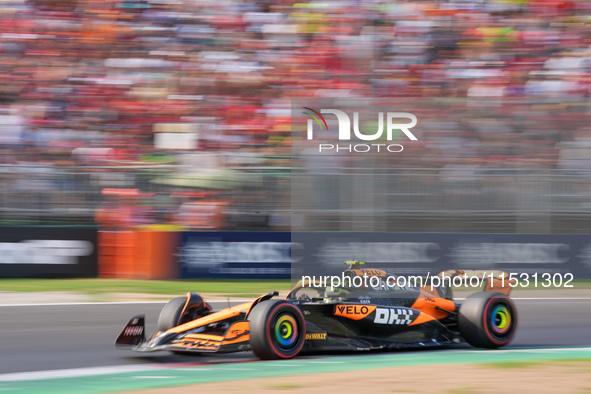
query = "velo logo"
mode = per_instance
[{"x": 344, "y": 131}]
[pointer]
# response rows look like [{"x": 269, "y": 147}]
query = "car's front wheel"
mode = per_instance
[
  {"x": 277, "y": 330},
  {"x": 182, "y": 310}
]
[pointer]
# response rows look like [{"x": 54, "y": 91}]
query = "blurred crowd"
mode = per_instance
[{"x": 131, "y": 83}]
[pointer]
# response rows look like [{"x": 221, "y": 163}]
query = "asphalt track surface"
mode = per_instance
[{"x": 50, "y": 337}]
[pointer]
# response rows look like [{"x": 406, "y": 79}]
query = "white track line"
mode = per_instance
[
  {"x": 119, "y": 369},
  {"x": 87, "y": 303},
  {"x": 236, "y": 302},
  {"x": 75, "y": 372}
]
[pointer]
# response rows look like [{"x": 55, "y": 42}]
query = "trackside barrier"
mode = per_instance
[
  {"x": 48, "y": 252},
  {"x": 138, "y": 254},
  {"x": 153, "y": 254},
  {"x": 235, "y": 254},
  {"x": 323, "y": 253}
]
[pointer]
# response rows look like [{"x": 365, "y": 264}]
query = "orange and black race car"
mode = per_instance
[{"x": 383, "y": 315}]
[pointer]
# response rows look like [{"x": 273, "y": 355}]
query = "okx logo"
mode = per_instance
[{"x": 393, "y": 125}]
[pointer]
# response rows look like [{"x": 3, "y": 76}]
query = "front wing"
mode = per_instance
[{"x": 235, "y": 338}]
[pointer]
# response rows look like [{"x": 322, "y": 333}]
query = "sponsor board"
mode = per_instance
[
  {"x": 282, "y": 254},
  {"x": 31, "y": 252},
  {"x": 235, "y": 254},
  {"x": 324, "y": 253}
]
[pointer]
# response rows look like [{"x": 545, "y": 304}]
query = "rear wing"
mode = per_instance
[{"x": 486, "y": 280}]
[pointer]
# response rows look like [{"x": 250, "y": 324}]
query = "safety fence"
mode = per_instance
[{"x": 230, "y": 197}]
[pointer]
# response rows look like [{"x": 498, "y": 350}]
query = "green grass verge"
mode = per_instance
[
  {"x": 569, "y": 362},
  {"x": 576, "y": 284},
  {"x": 247, "y": 288}
]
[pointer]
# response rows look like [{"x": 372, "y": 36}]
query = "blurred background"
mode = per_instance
[{"x": 177, "y": 113}]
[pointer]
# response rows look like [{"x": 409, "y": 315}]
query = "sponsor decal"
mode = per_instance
[
  {"x": 316, "y": 336},
  {"x": 133, "y": 330},
  {"x": 398, "y": 316},
  {"x": 237, "y": 333},
  {"x": 236, "y": 336},
  {"x": 374, "y": 272},
  {"x": 191, "y": 341},
  {"x": 354, "y": 312},
  {"x": 198, "y": 344},
  {"x": 238, "y": 329}
]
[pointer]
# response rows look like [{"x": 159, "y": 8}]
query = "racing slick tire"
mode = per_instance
[
  {"x": 277, "y": 330},
  {"x": 488, "y": 319},
  {"x": 176, "y": 313}
]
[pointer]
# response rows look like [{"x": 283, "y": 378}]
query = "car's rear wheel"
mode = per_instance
[
  {"x": 179, "y": 311},
  {"x": 277, "y": 330},
  {"x": 488, "y": 320}
]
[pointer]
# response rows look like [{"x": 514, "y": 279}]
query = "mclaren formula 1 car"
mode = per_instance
[{"x": 315, "y": 317}]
